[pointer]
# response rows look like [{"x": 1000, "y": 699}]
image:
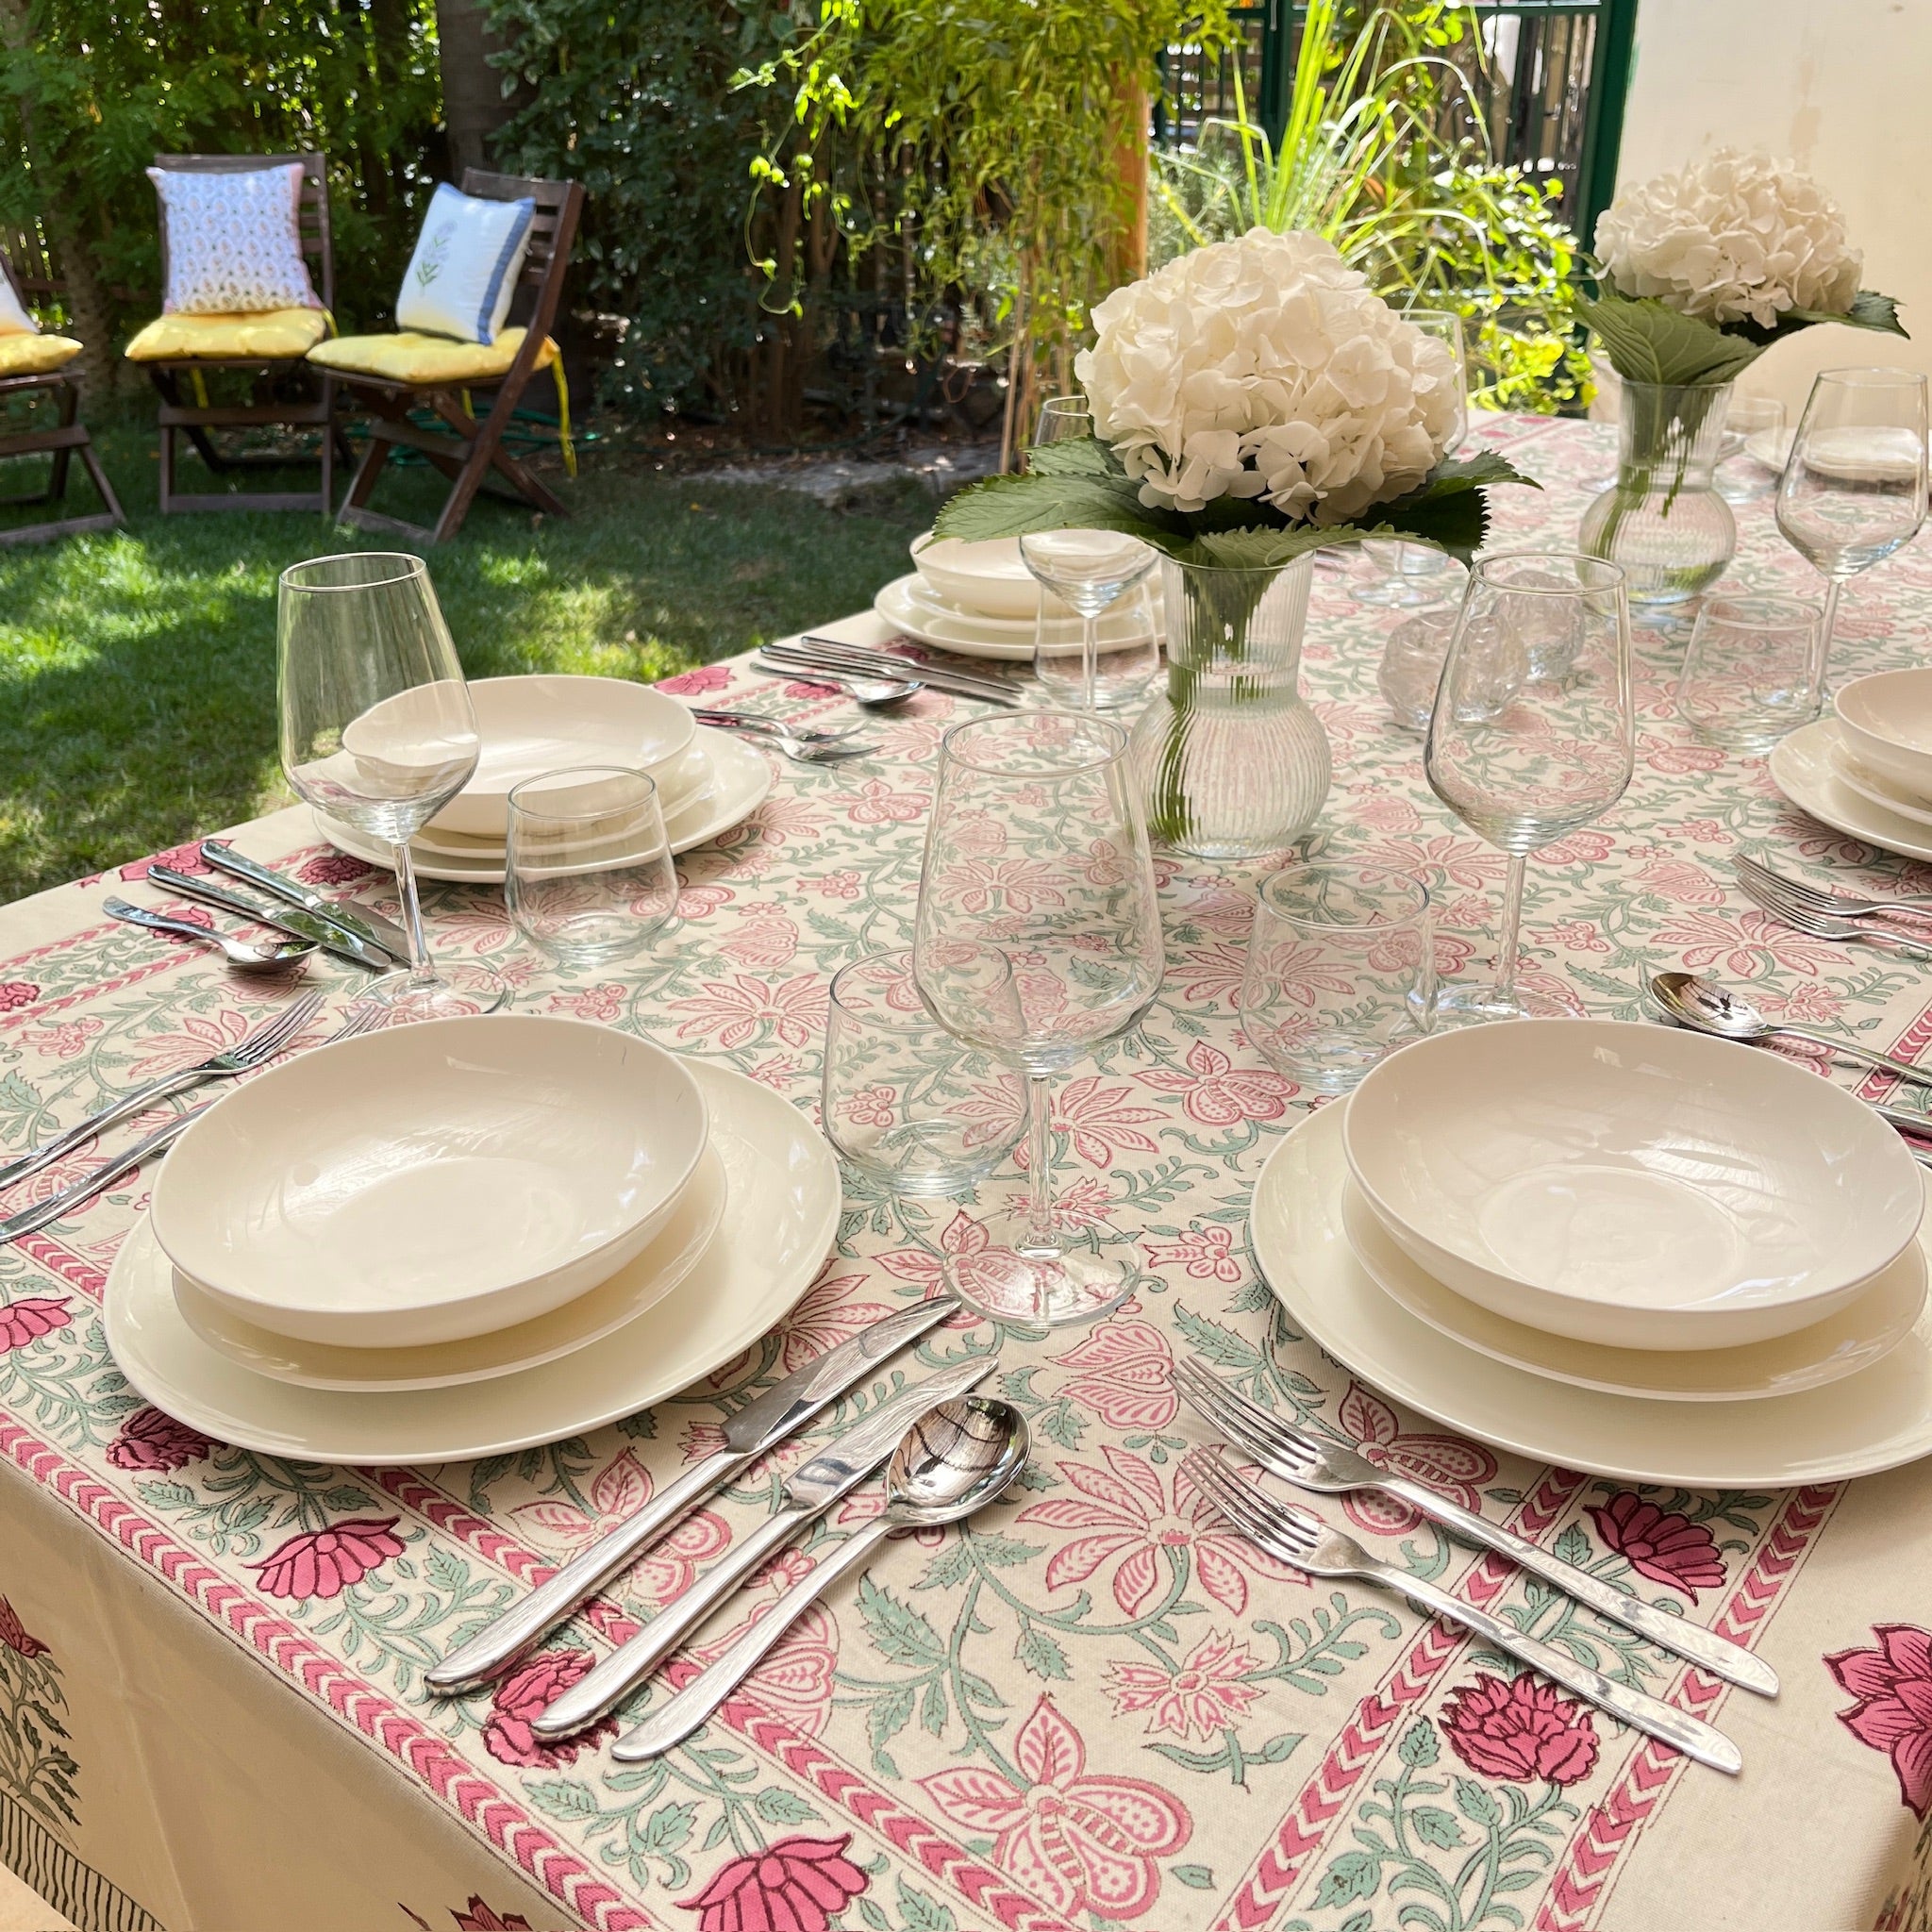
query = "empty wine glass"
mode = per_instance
[
  {"x": 1089, "y": 571},
  {"x": 1854, "y": 487},
  {"x": 919, "y": 1112},
  {"x": 1556, "y": 629},
  {"x": 1410, "y": 574},
  {"x": 1126, "y": 649},
  {"x": 1747, "y": 416},
  {"x": 1036, "y": 847},
  {"x": 588, "y": 872},
  {"x": 1063, "y": 419},
  {"x": 377, "y": 732}
]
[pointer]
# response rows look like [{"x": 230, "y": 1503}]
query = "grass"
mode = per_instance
[{"x": 136, "y": 669}]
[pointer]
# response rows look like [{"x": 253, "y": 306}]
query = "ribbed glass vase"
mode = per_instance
[
  {"x": 1231, "y": 761},
  {"x": 1662, "y": 519}
]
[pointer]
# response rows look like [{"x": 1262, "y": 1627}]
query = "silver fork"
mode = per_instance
[
  {"x": 1772, "y": 897},
  {"x": 266, "y": 1040},
  {"x": 29, "y": 1219},
  {"x": 1327, "y": 1469},
  {"x": 1308, "y": 1543},
  {"x": 1839, "y": 905},
  {"x": 775, "y": 728},
  {"x": 782, "y": 740}
]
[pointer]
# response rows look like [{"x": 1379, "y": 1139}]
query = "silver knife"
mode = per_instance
[
  {"x": 780, "y": 1411},
  {"x": 827, "y": 651},
  {"x": 358, "y": 921},
  {"x": 803, "y": 662},
  {"x": 305, "y": 925},
  {"x": 810, "y": 1491}
]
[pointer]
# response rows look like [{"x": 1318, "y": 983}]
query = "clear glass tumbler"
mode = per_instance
[
  {"x": 1340, "y": 971},
  {"x": 1754, "y": 671},
  {"x": 589, "y": 878},
  {"x": 904, "y": 1100}
]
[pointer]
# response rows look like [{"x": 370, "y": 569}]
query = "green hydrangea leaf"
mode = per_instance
[{"x": 1649, "y": 342}]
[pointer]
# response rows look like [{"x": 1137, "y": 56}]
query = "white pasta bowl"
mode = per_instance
[
  {"x": 990, "y": 578},
  {"x": 1885, "y": 722},
  {"x": 1630, "y": 1185},
  {"x": 432, "y": 1182},
  {"x": 530, "y": 725}
]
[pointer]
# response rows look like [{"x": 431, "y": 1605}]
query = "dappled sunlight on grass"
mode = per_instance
[{"x": 136, "y": 669}]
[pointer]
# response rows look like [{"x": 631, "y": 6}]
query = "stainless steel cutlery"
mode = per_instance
[
  {"x": 1704, "y": 1006},
  {"x": 805, "y": 746},
  {"x": 810, "y": 1490},
  {"x": 262, "y": 1045},
  {"x": 1772, "y": 895},
  {"x": 761, "y": 1424},
  {"x": 273, "y": 956},
  {"x": 1841, "y": 905},
  {"x": 281, "y": 918},
  {"x": 357, "y": 921},
  {"x": 956, "y": 1458},
  {"x": 876, "y": 693},
  {"x": 1298, "y": 1538},
  {"x": 825, "y": 654},
  {"x": 361, "y": 1020},
  {"x": 1329, "y": 1469}
]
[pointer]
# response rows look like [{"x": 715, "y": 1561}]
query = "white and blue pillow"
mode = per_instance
[{"x": 464, "y": 271}]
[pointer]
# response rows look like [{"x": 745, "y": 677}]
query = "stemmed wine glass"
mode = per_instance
[
  {"x": 1406, "y": 569},
  {"x": 1062, "y": 419},
  {"x": 377, "y": 731},
  {"x": 1854, "y": 488},
  {"x": 1553, "y": 630},
  {"x": 1037, "y": 847}
]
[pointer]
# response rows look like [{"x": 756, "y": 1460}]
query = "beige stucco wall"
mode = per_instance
[{"x": 1841, "y": 87}]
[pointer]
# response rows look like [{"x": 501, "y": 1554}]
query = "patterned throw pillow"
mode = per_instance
[
  {"x": 234, "y": 240},
  {"x": 14, "y": 320},
  {"x": 464, "y": 271}
]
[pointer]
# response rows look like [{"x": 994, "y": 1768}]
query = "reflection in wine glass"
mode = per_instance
[
  {"x": 1555, "y": 629},
  {"x": 1854, "y": 488},
  {"x": 1037, "y": 847},
  {"x": 377, "y": 731}
]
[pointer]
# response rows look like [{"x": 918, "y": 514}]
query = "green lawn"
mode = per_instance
[{"x": 137, "y": 669}]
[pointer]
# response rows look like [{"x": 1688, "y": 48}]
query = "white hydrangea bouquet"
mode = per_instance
[
  {"x": 1251, "y": 401},
  {"x": 1700, "y": 271}
]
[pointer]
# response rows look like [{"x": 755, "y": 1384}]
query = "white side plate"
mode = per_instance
[
  {"x": 1801, "y": 767},
  {"x": 749, "y": 1279},
  {"x": 1877, "y": 1419}
]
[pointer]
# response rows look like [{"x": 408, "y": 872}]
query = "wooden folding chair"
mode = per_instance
[
  {"x": 467, "y": 447},
  {"x": 60, "y": 440},
  {"x": 186, "y": 411}
]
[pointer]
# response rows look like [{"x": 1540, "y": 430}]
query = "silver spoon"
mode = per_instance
[
  {"x": 956, "y": 1458},
  {"x": 1705, "y": 1007},
  {"x": 246, "y": 954},
  {"x": 876, "y": 693}
]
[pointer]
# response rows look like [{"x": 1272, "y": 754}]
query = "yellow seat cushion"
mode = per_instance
[
  {"x": 419, "y": 359},
  {"x": 270, "y": 332},
  {"x": 25, "y": 355}
]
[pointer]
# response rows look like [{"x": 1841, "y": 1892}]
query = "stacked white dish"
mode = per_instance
[
  {"x": 980, "y": 600},
  {"x": 1618, "y": 1247},
  {"x": 707, "y": 780},
  {"x": 401, "y": 1247},
  {"x": 1866, "y": 770}
]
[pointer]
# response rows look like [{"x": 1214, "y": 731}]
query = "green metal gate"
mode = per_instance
[{"x": 1547, "y": 79}]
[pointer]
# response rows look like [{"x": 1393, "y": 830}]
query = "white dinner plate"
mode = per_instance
[
  {"x": 1874, "y": 789},
  {"x": 910, "y": 604},
  {"x": 646, "y": 1280},
  {"x": 1874, "y": 1420},
  {"x": 749, "y": 1279},
  {"x": 532, "y": 725},
  {"x": 1801, "y": 767},
  {"x": 738, "y": 782},
  {"x": 1852, "y": 1339}
]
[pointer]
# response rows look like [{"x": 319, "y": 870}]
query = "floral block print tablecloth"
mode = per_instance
[{"x": 1096, "y": 1707}]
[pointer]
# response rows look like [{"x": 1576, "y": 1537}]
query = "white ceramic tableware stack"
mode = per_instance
[
  {"x": 1615, "y": 1246},
  {"x": 979, "y": 600},
  {"x": 1865, "y": 768},
  {"x": 707, "y": 780},
  {"x": 401, "y": 1247}
]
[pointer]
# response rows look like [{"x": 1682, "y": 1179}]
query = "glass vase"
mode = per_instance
[
  {"x": 1231, "y": 761},
  {"x": 1662, "y": 519}
]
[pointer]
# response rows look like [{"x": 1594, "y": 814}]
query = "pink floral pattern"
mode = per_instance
[
  {"x": 14, "y": 1634},
  {"x": 151, "y": 1439},
  {"x": 325, "y": 1562},
  {"x": 1893, "y": 1714},
  {"x": 1520, "y": 1729},
  {"x": 15, "y": 993},
  {"x": 799, "y": 1885},
  {"x": 1658, "y": 1545},
  {"x": 1210, "y": 1690},
  {"x": 1123, "y": 1373},
  {"x": 526, "y": 1693},
  {"x": 1086, "y": 1844},
  {"x": 30, "y": 1317}
]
